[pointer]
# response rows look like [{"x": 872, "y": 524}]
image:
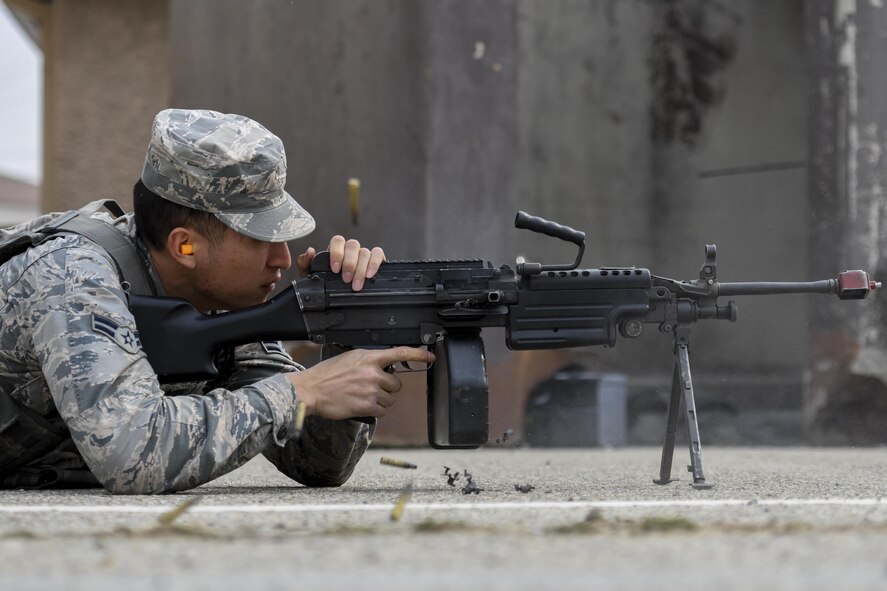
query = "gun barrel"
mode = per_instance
[{"x": 827, "y": 286}]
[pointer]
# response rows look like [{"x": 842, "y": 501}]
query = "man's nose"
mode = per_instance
[{"x": 279, "y": 256}]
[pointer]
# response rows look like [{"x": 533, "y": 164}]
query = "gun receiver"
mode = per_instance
[{"x": 445, "y": 305}]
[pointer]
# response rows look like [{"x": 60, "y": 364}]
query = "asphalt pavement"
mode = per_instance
[{"x": 777, "y": 518}]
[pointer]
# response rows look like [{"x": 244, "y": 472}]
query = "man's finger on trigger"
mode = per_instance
[{"x": 394, "y": 355}]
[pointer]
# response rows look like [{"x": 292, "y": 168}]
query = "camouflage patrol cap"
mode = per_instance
[{"x": 227, "y": 165}]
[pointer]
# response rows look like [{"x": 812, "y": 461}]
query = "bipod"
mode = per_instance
[{"x": 682, "y": 391}]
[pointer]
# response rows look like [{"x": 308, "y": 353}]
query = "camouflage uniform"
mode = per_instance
[{"x": 69, "y": 349}]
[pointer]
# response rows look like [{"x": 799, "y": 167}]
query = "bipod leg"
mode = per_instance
[
  {"x": 674, "y": 406},
  {"x": 682, "y": 363}
]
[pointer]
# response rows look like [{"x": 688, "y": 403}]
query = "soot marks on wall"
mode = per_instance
[{"x": 694, "y": 42}]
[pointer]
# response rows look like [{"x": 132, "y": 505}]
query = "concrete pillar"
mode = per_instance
[
  {"x": 107, "y": 75},
  {"x": 620, "y": 118},
  {"x": 847, "y": 41}
]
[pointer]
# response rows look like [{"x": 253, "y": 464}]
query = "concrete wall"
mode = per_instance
[
  {"x": 339, "y": 82},
  {"x": 740, "y": 180},
  {"x": 621, "y": 118},
  {"x": 661, "y": 127},
  {"x": 107, "y": 75},
  {"x": 389, "y": 92},
  {"x": 416, "y": 99},
  {"x": 656, "y": 127}
]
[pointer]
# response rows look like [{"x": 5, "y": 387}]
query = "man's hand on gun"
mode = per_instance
[
  {"x": 356, "y": 383},
  {"x": 356, "y": 263}
]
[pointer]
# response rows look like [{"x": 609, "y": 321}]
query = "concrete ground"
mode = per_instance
[{"x": 777, "y": 518}]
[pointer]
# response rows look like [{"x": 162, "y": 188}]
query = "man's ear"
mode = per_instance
[{"x": 180, "y": 246}]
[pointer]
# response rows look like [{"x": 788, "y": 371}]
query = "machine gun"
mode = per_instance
[{"x": 444, "y": 305}]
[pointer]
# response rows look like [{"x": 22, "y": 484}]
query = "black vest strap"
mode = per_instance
[{"x": 123, "y": 251}]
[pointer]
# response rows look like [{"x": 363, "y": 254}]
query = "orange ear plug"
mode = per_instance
[{"x": 186, "y": 248}]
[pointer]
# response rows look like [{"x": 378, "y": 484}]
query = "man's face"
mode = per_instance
[{"x": 241, "y": 271}]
